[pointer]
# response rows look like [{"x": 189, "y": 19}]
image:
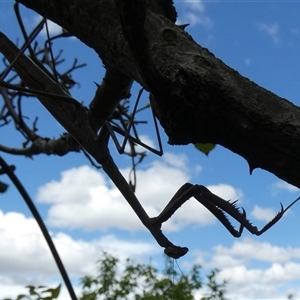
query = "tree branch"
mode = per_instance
[{"x": 197, "y": 98}]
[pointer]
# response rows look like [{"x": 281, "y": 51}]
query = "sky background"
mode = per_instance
[{"x": 86, "y": 214}]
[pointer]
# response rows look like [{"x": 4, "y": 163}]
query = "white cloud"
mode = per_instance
[
  {"x": 194, "y": 14},
  {"x": 195, "y": 5},
  {"x": 179, "y": 161},
  {"x": 282, "y": 185},
  {"x": 226, "y": 191},
  {"x": 30, "y": 261},
  {"x": 83, "y": 198},
  {"x": 254, "y": 283},
  {"x": 93, "y": 203},
  {"x": 18, "y": 232},
  {"x": 23, "y": 247},
  {"x": 144, "y": 139},
  {"x": 278, "y": 267},
  {"x": 246, "y": 249},
  {"x": 25, "y": 258},
  {"x": 52, "y": 27},
  {"x": 271, "y": 30},
  {"x": 263, "y": 214}
]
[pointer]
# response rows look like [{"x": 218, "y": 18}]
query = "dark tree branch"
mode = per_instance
[
  {"x": 61, "y": 146},
  {"x": 197, "y": 98}
]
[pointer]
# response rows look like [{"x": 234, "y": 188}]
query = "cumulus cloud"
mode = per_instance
[
  {"x": 84, "y": 198},
  {"x": 258, "y": 283},
  {"x": 271, "y": 30},
  {"x": 25, "y": 258},
  {"x": 263, "y": 214},
  {"x": 196, "y": 5},
  {"x": 239, "y": 265},
  {"x": 226, "y": 192},
  {"x": 194, "y": 14},
  {"x": 247, "y": 249},
  {"x": 282, "y": 185}
]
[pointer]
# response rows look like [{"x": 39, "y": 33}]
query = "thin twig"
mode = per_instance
[{"x": 41, "y": 224}]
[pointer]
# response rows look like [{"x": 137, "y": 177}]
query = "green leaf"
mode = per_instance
[
  {"x": 32, "y": 290},
  {"x": 205, "y": 148},
  {"x": 55, "y": 292}
]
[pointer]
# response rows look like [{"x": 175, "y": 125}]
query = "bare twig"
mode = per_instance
[{"x": 8, "y": 170}]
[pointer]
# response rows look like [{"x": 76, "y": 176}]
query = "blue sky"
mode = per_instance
[{"x": 85, "y": 213}]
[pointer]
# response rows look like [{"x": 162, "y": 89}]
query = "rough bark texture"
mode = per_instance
[{"x": 197, "y": 98}]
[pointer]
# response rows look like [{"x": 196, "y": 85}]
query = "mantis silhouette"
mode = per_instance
[{"x": 73, "y": 117}]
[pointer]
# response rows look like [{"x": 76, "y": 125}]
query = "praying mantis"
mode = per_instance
[{"x": 73, "y": 117}]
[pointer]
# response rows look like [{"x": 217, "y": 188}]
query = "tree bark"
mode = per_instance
[{"x": 197, "y": 98}]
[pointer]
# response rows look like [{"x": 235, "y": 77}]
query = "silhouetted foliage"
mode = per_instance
[{"x": 115, "y": 281}]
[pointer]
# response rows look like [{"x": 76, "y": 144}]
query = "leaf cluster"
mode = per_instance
[
  {"x": 39, "y": 293},
  {"x": 138, "y": 281}
]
